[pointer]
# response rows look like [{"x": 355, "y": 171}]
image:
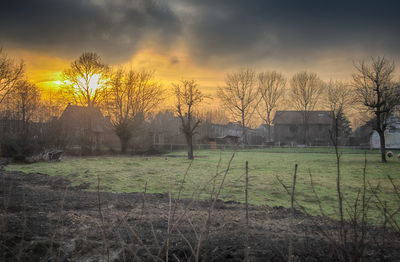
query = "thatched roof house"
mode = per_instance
[{"x": 85, "y": 126}]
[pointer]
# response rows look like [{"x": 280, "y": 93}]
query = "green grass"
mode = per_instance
[{"x": 164, "y": 174}]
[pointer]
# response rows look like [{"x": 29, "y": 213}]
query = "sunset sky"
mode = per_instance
[{"x": 200, "y": 39}]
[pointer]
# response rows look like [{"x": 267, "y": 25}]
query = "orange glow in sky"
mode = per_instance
[
  {"x": 42, "y": 69},
  {"x": 175, "y": 66},
  {"x": 46, "y": 70},
  {"x": 169, "y": 67}
]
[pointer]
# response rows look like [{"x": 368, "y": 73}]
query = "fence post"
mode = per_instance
[
  {"x": 290, "y": 255},
  {"x": 246, "y": 254}
]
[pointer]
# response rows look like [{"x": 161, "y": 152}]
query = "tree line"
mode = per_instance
[{"x": 129, "y": 96}]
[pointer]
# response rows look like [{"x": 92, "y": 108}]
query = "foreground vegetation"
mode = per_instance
[{"x": 160, "y": 174}]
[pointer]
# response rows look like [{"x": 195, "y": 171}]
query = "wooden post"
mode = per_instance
[
  {"x": 246, "y": 250},
  {"x": 290, "y": 255},
  {"x": 293, "y": 187}
]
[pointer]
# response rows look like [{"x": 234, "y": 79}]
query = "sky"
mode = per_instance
[{"x": 200, "y": 39}]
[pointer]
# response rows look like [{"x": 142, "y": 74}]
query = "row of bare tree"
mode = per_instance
[
  {"x": 373, "y": 88},
  {"x": 19, "y": 98},
  {"x": 128, "y": 96}
]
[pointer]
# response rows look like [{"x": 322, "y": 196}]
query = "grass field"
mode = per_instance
[{"x": 165, "y": 173}]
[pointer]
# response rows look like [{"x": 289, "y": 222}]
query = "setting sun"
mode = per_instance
[{"x": 94, "y": 82}]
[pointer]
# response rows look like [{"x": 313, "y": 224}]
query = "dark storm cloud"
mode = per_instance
[
  {"x": 254, "y": 30},
  {"x": 215, "y": 31},
  {"x": 113, "y": 28}
]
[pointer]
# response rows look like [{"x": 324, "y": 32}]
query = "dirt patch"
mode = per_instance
[{"x": 45, "y": 218}]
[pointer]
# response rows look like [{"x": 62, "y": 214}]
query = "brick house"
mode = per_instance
[{"x": 290, "y": 129}]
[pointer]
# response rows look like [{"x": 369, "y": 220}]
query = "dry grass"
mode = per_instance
[{"x": 164, "y": 174}]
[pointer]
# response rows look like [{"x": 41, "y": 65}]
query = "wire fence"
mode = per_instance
[
  {"x": 167, "y": 148},
  {"x": 155, "y": 149}
]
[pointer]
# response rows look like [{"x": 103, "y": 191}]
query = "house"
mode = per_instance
[
  {"x": 85, "y": 127},
  {"x": 290, "y": 128},
  {"x": 165, "y": 129},
  {"x": 232, "y": 133},
  {"x": 392, "y": 135}
]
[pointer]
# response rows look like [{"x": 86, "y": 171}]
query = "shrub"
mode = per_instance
[{"x": 18, "y": 148}]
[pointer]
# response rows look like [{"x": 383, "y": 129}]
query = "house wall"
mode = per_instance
[
  {"x": 320, "y": 135},
  {"x": 294, "y": 134},
  {"x": 288, "y": 134},
  {"x": 392, "y": 140}
]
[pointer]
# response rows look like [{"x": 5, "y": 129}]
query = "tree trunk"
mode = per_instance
[
  {"x": 24, "y": 123},
  {"x": 244, "y": 131},
  {"x": 189, "y": 141},
  {"x": 383, "y": 145},
  {"x": 381, "y": 132},
  {"x": 305, "y": 129},
  {"x": 124, "y": 144},
  {"x": 269, "y": 125}
]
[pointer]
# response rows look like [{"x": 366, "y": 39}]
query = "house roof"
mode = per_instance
[
  {"x": 296, "y": 117},
  {"x": 84, "y": 117}
]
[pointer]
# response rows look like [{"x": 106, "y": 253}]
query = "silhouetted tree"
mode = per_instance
[
  {"x": 376, "y": 90},
  {"x": 85, "y": 80},
  {"x": 271, "y": 86},
  {"x": 339, "y": 98},
  {"x": 188, "y": 97},
  {"x": 216, "y": 116},
  {"x": 240, "y": 96},
  {"x": 305, "y": 92},
  {"x": 19, "y": 135},
  {"x": 26, "y": 100},
  {"x": 130, "y": 97},
  {"x": 344, "y": 126},
  {"x": 10, "y": 73},
  {"x": 51, "y": 106}
]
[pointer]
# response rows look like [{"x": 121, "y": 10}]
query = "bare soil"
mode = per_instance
[{"x": 44, "y": 218}]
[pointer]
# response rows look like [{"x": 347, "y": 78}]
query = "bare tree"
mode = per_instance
[
  {"x": 188, "y": 97},
  {"x": 51, "y": 106},
  {"x": 240, "y": 97},
  {"x": 216, "y": 116},
  {"x": 339, "y": 98},
  {"x": 22, "y": 104},
  {"x": 271, "y": 86},
  {"x": 10, "y": 73},
  {"x": 85, "y": 80},
  {"x": 305, "y": 92},
  {"x": 131, "y": 96},
  {"x": 378, "y": 93}
]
